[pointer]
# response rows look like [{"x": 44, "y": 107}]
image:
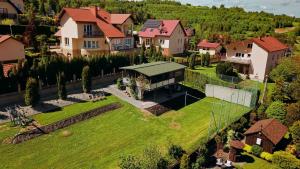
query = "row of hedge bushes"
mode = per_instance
[
  {"x": 20, "y": 29},
  {"x": 47, "y": 68}
]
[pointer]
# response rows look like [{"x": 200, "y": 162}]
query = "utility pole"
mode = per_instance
[{"x": 265, "y": 90}]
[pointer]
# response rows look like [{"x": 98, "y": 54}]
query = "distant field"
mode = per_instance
[{"x": 99, "y": 142}]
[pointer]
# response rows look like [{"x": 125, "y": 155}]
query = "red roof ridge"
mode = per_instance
[{"x": 269, "y": 43}]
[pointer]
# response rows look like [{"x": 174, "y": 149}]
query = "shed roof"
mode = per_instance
[
  {"x": 155, "y": 68},
  {"x": 271, "y": 128}
]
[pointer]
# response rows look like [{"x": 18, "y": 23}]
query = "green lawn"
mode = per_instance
[
  {"x": 99, "y": 142},
  {"x": 255, "y": 163}
]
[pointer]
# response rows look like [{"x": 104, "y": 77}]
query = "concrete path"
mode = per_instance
[{"x": 146, "y": 103}]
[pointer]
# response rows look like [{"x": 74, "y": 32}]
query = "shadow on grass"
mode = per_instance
[
  {"x": 3, "y": 117},
  {"x": 246, "y": 158}
]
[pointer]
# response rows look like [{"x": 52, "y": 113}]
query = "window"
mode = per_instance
[
  {"x": 258, "y": 141},
  {"x": 249, "y": 55},
  {"x": 88, "y": 29},
  {"x": 243, "y": 55},
  {"x": 250, "y": 45},
  {"x": 90, "y": 44},
  {"x": 162, "y": 41},
  {"x": 67, "y": 43},
  {"x": 147, "y": 42},
  {"x": 128, "y": 42},
  {"x": 238, "y": 55}
]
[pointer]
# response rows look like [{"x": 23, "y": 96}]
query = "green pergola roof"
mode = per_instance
[{"x": 155, "y": 68}]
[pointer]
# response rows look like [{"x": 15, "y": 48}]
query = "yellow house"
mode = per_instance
[
  {"x": 91, "y": 31},
  {"x": 10, "y": 8}
]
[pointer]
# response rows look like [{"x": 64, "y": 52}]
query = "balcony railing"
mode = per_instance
[
  {"x": 160, "y": 84},
  {"x": 92, "y": 34}
]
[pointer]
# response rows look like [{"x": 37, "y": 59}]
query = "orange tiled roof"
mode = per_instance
[
  {"x": 4, "y": 38},
  {"x": 102, "y": 18},
  {"x": 270, "y": 44}
]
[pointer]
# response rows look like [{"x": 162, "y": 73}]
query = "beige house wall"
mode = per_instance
[
  {"x": 11, "y": 50},
  {"x": 177, "y": 41},
  {"x": 10, "y": 9},
  {"x": 259, "y": 60},
  {"x": 211, "y": 51}
]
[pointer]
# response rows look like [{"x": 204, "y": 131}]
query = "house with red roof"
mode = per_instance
[
  {"x": 169, "y": 35},
  {"x": 256, "y": 57},
  {"x": 11, "y": 50},
  {"x": 90, "y": 31},
  {"x": 205, "y": 46},
  {"x": 266, "y": 133},
  {"x": 11, "y": 8}
]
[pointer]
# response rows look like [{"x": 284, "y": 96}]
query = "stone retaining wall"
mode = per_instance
[{"x": 19, "y": 138}]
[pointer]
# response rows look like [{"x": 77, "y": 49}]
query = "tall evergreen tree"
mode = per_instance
[
  {"x": 61, "y": 86},
  {"x": 86, "y": 79},
  {"x": 32, "y": 95}
]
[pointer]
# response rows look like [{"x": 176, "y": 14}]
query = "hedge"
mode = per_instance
[
  {"x": 285, "y": 160},
  {"x": 20, "y": 29}
]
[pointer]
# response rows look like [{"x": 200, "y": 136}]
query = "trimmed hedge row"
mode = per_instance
[{"x": 20, "y": 29}]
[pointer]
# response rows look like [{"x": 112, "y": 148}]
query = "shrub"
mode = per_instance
[
  {"x": 162, "y": 163},
  {"x": 225, "y": 68},
  {"x": 61, "y": 86},
  {"x": 130, "y": 162},
  {"x": 261, "y": 111},
  {"x": 256, "y": 150},
  {"x": 86, "y": 79},
  {"x": 176, "y": 151},
  {"x": 295, "y": 131},
  {"x": 285, "y": 160},
  {"x": 293, "y": 113},
  {"x": 32, "y": 96},
  {"x": 184, "y": 162},
  {"x": 266, "y": 156},
  {"x": 247, "y": 148},
  {"x": 119, "y": 83},
  {"x": 277, "y": 110}
]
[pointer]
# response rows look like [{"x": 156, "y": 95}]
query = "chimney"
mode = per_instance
[{"x": 94, "y": 10}]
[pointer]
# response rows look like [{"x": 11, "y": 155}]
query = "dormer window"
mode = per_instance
[{"x": 249, "y": 46}]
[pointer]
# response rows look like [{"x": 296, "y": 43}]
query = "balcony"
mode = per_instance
[
  {"x": 237, "y": 60},
  {"x": 160, "y": 84},
  {"x": 92, "y": 34}
]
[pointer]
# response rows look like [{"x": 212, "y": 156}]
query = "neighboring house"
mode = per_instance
[
  {"x": 207, "y": 47},
  {"x": 190, "y": 33},
  {"x": 167, "y": 34},
  {"x": 266, "y": 133},
  {"x": 89, "y": 31},
  {"x": 10, "y": 8},
  {"x": 256, "y": 57},
  {"x": 11, "y": 51},
  {"x": 158, "y": 75}
]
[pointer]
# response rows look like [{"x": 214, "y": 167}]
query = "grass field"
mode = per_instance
[
  {"x": 99, "y": 142},
  {"x": 255, "y": 163}
]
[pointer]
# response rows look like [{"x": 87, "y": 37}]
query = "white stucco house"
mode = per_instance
[
  {"x": 256, "y": 57},
  {"x": 208, "y": 47},
  {"x": 170, "y": 35}
]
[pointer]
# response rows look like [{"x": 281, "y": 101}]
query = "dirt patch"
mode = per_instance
[
  {"x": 158, "y": 109},
  {"x": 175, "y": 125},
  {"x": 66, "y": 133}
]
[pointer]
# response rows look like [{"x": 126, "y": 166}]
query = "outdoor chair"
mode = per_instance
[
  {"x": 228, "y": 163},
  {"x": 219, "y": 162}
]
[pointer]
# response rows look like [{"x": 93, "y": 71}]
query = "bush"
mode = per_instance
[
  {"x": 293, "y": 113},
  {"x": 261, "y": 112},
  {"x": 176, "y": 151},
  {"x": 225, "y": 68},
  {"x": 295, "y": 131},
  {"x": 32, "y": 96},
  {"x": 130, "y": 162},
  {"x": 266, "y": 156},
  {"x": 86, "y": 79},
  {"x": 285, "y": 160},
  {"x": 256, "y": 150},
  {"x": 277, "y": 110},
  {"x": 119, "y": 83},
  {"x": 184, "y": 162},
  {"x": 247, "y": 148},
  {"x": 61, "y": 86}
]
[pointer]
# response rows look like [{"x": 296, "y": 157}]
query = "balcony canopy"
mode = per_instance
[{"x": 155, "y": 68}]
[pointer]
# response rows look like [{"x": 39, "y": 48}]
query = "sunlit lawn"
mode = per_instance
[
  {"x": 99, "y": 142},
  {"x": 255, "y": 163}
]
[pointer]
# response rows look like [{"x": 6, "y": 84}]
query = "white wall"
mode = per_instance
[{"x": 259, "y": 60}]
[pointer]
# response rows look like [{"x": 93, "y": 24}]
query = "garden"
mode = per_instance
[{"x": 102, "y": 141}]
